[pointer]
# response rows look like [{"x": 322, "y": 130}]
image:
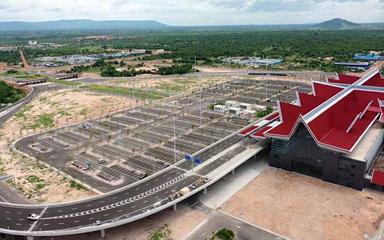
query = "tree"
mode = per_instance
[
  {"x": 223, "y": 234},
  {"x": 265, "y": 112},
  {"x": 163, "y": 233}
]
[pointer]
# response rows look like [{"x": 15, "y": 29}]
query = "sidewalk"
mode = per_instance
[{"x": 222, "y": 190}]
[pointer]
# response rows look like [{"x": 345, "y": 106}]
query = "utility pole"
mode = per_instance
[{"x": 174, "y": 139}]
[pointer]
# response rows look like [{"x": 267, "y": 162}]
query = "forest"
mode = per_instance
[{"x": 305, "y": 47}]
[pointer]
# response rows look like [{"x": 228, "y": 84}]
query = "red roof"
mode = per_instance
[
  {"x": 378, "y": 177},
  {"x": 272, "y": 116},
  {"x": 344, "y": 79},
  {"x": 248, "y": 130},
  {"x": 268, "y": 119},
  {"x": 260, "y": 133},
  {"x": 336, "y": 116}
]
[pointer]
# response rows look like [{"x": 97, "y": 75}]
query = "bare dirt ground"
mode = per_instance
[
  {"x": 61, "y": 107},
  {"x": 301, "y": 207},
  {"x": 180, "y": 223},
  {"x": 162, "y": 82}
]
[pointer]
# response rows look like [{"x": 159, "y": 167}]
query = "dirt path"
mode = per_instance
[{"x": 300, "y": 207}]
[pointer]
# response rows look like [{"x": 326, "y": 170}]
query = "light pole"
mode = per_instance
[{"x": 174, "y": 139}]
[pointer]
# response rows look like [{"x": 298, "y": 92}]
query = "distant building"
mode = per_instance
[
  {"x": 230, "y": 104},
  {"x": 254, "y": 61},
  {"x": 219, "y": 108},
  {"x": 354, "y": 65},
  {"x": 368, "y": 57},
  {"x": 32, "y": 43}
]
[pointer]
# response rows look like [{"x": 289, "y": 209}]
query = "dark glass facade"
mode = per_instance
[{"x": 302, "y": 154}]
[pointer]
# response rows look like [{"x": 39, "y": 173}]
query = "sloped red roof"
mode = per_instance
[
  {"x": 336, "y": 116},
  {"x": 248, "y": 130},
  {"x": 344, "y": 79},
  {"x": 260, "y": 133}
]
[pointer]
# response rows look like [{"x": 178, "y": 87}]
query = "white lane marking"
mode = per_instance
[
  {"x": 34, "y": 224},
  {"x": 123, "y": 202}
]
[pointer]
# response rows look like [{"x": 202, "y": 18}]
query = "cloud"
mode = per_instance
[{"x": 195, "y": 12}]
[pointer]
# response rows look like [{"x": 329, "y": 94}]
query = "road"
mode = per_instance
[
  {"x": 123, "y": 205},
  {"x": 242, "y": 230},
  {"x": 9, "y": 195},
  {"x": 6, "y": 113},
  {"x": 111, "y": 209}
]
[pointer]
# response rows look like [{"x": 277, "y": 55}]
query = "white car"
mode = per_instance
[{"x": 33, "y": 217}]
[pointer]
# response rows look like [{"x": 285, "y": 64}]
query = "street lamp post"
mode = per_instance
[{"x": 174, "y": 139}]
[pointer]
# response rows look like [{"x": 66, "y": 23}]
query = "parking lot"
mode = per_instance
[{"x": 124, "y": 147}]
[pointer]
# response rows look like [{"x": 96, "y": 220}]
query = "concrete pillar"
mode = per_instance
[
  {"x": 175, "y": 207},
  {"x": 233, "y": 172},
  {"x": 29, "y": 238},
  {"x": 102, "y": 233},
  {"x": 205, "y": 191}
]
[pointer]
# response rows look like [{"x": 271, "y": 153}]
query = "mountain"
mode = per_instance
[
  {"x": 337, "y": 24},
  {"x": 91, "y": 25},
  {"x": 81, "y": 25}
]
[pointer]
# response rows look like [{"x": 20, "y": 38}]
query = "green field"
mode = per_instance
[
  {"x": 65, "y": 82},
  {"x": 135, "y": 93}
]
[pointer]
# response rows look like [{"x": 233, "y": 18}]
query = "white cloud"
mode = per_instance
[{"x": 195, "y": 12}]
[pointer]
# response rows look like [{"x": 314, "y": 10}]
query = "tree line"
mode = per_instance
[{"x": 9, "y": 94}]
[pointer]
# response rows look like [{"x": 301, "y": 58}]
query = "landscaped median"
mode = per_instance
[
  {"x": 64, "y": 82},
  {"x": 135, "y": 93}
]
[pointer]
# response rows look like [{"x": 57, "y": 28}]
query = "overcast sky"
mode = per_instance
[{"x": 195, "y": 12}]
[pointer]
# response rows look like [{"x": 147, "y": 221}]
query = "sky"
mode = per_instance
[{"x": 195, "y": 12}]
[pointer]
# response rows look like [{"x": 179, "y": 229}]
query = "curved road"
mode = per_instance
[
  {"x": 127, "y": 204},
  {"x": 118, "y": 207}
]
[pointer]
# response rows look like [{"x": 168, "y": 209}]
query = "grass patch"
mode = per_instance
[
  {"x": 39, "y": 183},
  {"x": 43, "y": 120},
  {"x": 33, "y": 179},
  {"x": 21, "y": 112},
  {"x": 65, "y": 82},
  {"x": 62, "y": 112},
  {"x": 171, "y": 87},
  {"x": 39, "y": 186},
  {"x": 137, "y": 93},
  {"x": 76, "y": 185},
  {"x": 83, "y": 112}
]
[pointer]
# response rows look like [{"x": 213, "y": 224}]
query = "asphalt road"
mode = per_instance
[
  {"x": 242, "y": 230},
  {"x": 9, "y": 195},
  {"x": 117, "y": 205},
  {"x": 125, "y": 203},
  {"x": 113, "y": 206}
]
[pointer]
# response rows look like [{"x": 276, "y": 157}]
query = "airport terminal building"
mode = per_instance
[{"x": 334, "y": 133}]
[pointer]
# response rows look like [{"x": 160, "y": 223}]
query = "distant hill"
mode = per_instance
[
  {"x": 81, "y": 25},
  {"x": 336, "y": 24},
  {"x": 91, "y": 25}
]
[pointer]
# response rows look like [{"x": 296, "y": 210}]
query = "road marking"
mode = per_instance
[
  {"x": 123, "y": 202},
  {"x": 34, "y": 224}
]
